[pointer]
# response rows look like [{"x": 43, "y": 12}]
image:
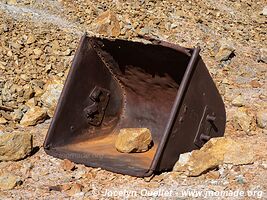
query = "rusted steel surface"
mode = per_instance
[{"x": 116, "y": 84}]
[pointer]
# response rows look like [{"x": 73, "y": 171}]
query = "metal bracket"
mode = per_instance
[
  {"x": 94, "y": 113},
  {"x": 206, "y": 127}
]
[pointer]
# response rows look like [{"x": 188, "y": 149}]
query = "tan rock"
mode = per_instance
[
  {"x": 17, "y": 115},
  {"x": 31, "y": 102},
  {"x": 38, "y": 91},
  {"x": 55, "y": 45},
  {"x": 108, "y": 24},
  {"x": 31, "y": 39},
  {"x": 51, "y": 96},
  {"x": 33, "y": 116},
  {"x": 133, "y": 140},
  {"x": 264, "y": 11},
  {"x": 242, "y": 121},
  {"x": 67, "y": 165},
  {"x": 8, "y": 181},
  {"x": 12, "y": 2},
  {"x": 65, "y": 187},
  {"x": 28, "y": 92},
  {"x": 263, "y": 55},
  {"x": 15, "y": 146},
  {"x": 255, "y": 84},
  {"x": 238, "y": 101},
  {"x": 3, "y": 120},
  {"x": 214, "y": 153},
  {"x": 37, "y": 51},
  {"x": 75, "y": 188},
  {"x": 262, "y": 119},
  {"x": 225, "y": 51},
  {"x": 213, "y": 175},
  {"x": 239, "y": 154},
  {"x": 6, "y": 116}
]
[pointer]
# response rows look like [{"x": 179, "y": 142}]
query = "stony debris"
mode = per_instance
[
  {"x": 9, "y": 181},
  {"x": 67, "y": 165},
  {"x": 242, "y": 121},
  {"x": 263, "y": 55},
  {"x": 264, "y": 11},
  {"x": 56, "y": 188},
  {"x": 14, "y": 146},
  {"x": 31, "y": 103},
  {"x": 214, "y": 153},
  {"x": 262, "y": 119},
  {"x": 213, "y": 174},
  {"x": 255, "y": 84},
  {"x": 33, "y": 116},
  {"x": 133, "y": 140},
  {"x": 108, "y": 24},
  {"x": 17, "y": 115},
  {"x": 5, "y": 108},
  {"x": 60, "y": 188},
  {"x": 72, "y": 189},
  {"x": 50, "y": 98},
  {"x": 238, "y": 101},
  {"x": 11, "y": 2},
  {"x": 75, "y": 188},
  {"x": 226, "y": 50},
  {"x": 182, "y": 164},
  {"x": 3, "y": 120},
  {"x": 31, "y": 39}
]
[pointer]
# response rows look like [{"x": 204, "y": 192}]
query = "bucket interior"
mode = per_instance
[{"x": 143, "y": 80}]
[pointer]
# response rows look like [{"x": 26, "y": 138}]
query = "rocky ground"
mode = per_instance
[{"x": 38, "y": 39}]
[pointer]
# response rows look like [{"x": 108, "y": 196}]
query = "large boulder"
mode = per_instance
[
  {"x": 15, "y": 145},
  {"x": 215, "y": 152}
]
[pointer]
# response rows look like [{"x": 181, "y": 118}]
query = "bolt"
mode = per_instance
[
  {"x": 204, "y": 137},
  {"x": 210, "y": 118},
  {"x": 47, "y": 147}
]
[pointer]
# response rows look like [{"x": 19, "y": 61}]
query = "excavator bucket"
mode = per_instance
[{"x": 115, "y": 84}]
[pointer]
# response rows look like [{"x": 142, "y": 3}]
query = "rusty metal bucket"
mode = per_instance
[{"x": 116, "y": 84}]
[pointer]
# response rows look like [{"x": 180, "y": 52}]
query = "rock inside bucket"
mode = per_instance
[{"x": 133, "y": 140}]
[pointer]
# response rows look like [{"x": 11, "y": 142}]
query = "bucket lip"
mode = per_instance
[
  {"x": 193, "y": 53},
  {"x": 150, "y": 40},
  {"x": 61, "y": 154}
]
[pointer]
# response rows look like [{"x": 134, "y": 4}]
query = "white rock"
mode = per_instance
[
  {"x": 262, "y": 119},
  {"x": 264, "y": 11},
  {"x": 238, "y": 101},
  {"x": 181, "y": 164},
  {"x": 51, "y": 96}
]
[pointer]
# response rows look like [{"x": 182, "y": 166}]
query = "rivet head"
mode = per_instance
[{"x": 204, "y": 137}]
